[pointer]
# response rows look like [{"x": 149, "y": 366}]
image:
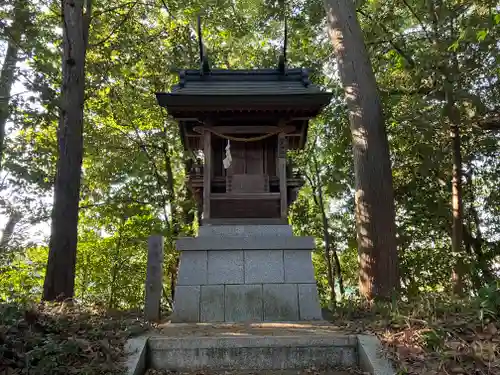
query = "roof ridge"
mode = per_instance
[
  {"x": 195, "y": 75},
  {"x": 263, "y": 71}
]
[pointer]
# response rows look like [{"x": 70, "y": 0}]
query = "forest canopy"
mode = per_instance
[{"x": 436, "y": 64}]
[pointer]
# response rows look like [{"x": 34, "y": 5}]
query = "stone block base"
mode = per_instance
[
  {"x": 261, "y": 277},
  {"x": 246, "y": 303}
]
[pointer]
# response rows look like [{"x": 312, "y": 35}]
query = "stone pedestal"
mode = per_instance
[{"x": 246, "y": 273}]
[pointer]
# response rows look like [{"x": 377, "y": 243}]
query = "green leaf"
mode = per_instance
[{"x": 481, "y": 35}]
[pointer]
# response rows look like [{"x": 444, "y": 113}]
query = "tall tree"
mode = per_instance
[
  {"x": 430, "y": 59},
  {"x": 7, "y": 74},
  {"x": 374, "y": 197},
  {"x": 60, "y": 277}
]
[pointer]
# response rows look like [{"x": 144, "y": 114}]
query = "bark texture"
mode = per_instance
[
  {"x": 457, "y": 236},
  {"x": 8, "y": 231},
  {"x": 326, "y": 235},
  {"x": 375, "y": 212},
  {"x": 7, "y": 74},
  {"x": 6, "y": 82},
  {"x": 60, "y": 275}
]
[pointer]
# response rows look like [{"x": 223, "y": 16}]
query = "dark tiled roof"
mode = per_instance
[
  {"x": 259, "y": 90},
  {"x": 245, "y": 82}
]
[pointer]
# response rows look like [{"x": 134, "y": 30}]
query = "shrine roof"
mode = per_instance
[
  {"x": 245, "y": 82},
  {"x": 244, "y": 90}
]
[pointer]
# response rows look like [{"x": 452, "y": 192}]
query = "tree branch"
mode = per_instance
[
  {"x": 490, "y": 123},
  {"x": 101, "y": 204},
  {"x": 86, "y": 23},
  {"x": 398, "y": 49},
  {"x": 159, "y": 178},
  {"x": 419, "y": 20},
  {"x": 120, "y": 24},
  {"x": 111, "y": 9}
]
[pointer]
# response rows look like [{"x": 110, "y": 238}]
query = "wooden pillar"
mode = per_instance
[
  {"x": 154, "y": 278},
  {"x": 282, "y": 146},
  {"x": 207, "y": 173}
]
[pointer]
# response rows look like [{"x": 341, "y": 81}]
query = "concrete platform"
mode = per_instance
[
  {"x": 313, "y": 328},
  {"x": 259, "y": 346}
]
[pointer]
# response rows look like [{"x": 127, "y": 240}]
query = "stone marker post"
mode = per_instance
[{"x": 154, "y": 278}]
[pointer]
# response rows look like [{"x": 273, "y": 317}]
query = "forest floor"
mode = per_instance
[
  {"x": 64, "y": 339},
  {"x": 431, "y": 336},
  {"x": 425, "y": 337}
]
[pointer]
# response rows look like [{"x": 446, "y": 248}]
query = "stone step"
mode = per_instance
[
  {"x": 311, "y": 371},
  {"x": 250, "y": 346},
  {"x": 255, "y": 348},
  {"x": 251, "y": 353}
]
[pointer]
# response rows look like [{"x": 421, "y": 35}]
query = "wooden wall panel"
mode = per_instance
[
  {"x": 233, "y": 208},
  {"x": 219, "y": 145},
  {"x": 254, "y": 158}
]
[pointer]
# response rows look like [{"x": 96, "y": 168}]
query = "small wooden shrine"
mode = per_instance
[
  {"x": 244, "y": 121},
  {"x": 245, "y": 264}
]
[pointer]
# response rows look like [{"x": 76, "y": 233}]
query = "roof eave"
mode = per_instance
[{"x": 179, "y": 103}]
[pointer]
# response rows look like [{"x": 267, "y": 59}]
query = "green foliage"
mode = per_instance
[
  {"x": 133, "y": 179},
  {"x": 433, "y": 339},
  {"x": 21, "y": 279},
  {"x": 489, "y": 302},
  {"x": 134, "y": 169}
]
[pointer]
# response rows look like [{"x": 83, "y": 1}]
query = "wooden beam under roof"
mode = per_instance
[{"x": 248, "y": 129}]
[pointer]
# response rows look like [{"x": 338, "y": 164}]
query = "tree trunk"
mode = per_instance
[
  {"x": 457, "y": 210},
  {"x": 338, "y": 270},
  {"x": 477, "y": 246},
  {"x": 116, "y": 266},
  {"x": 14, "y": 218},
  {"x": 374, "y": 199},
  {"x": 326, "y": 234},
  {"x": 458, "y": 272},
  {"x": 474, "y": 243},
  {"x": 6, "y": 81},
  {"x": 7, "y": 75},
  {"x": 60, "y": 276},
  {"x": 174, "y": 269}
]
